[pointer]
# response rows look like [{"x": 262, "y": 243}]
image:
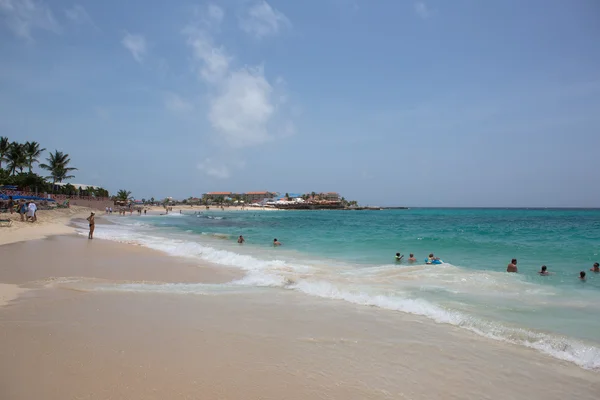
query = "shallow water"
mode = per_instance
[{"x": 350, "y": 256}]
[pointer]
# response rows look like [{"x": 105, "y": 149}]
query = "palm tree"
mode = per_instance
[
  {"x": 32, "y": 153},
  {"x": 15, "y": 158},
  {"x": 123, "y": 195},
  {"x": 4, "y": 146},
  {"x": 58, "y": 166}
]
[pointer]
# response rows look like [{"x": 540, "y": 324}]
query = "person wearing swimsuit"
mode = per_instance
[{"x": 92, "y": 225}]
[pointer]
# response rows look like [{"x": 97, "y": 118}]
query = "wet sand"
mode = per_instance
[{"x": 66, "y": 340}]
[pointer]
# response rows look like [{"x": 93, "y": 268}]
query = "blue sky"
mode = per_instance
[{"x": 418, "y": 103}]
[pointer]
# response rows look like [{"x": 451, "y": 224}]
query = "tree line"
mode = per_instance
[{"x": 16, "y": 168}]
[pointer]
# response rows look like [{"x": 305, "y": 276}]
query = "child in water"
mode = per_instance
[{"x": 398, "y": 257}]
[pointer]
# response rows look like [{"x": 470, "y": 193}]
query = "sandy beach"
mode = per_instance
[
  {"x": 74, "y": 326},
  {"x": 49, "y": 222}
]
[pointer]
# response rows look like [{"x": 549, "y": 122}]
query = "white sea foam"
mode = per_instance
[{"x": 366, "y": 286}]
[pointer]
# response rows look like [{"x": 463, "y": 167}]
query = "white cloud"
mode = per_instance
[
  {"x": 214, "y": 60},
  {"x": 177, "y": 104},
  {"x": 422, "y": 10},
  {"x": 215, "y": 13},
  {"x": 78, "y": 15},
  {"x": 136, "y": 44},
  {"x": 262, "y": 20},
  {"x": 216, "y": 170},
  {"x": 24, "y": 16},
  {"x": 245, "y": 108}
]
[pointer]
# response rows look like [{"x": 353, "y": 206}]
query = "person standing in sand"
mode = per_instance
[
  {"x": 23, "y": 210},
  {"x": 92, "y": 220},
  {"x": 32, "y": 208},
  {"x": 11, "y": 204},
  {"x": 512, "y": 267}
]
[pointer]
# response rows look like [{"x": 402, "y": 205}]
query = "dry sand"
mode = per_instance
[
  {"x": 84, "y": 338},
  {"x": 49, "y": 222}
]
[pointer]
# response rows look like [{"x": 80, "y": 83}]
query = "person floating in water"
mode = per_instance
[
  {"x": 399, "y": 257},
  {"x": 544, "y": 271},
  {"x": 512, "y": 266},
  {"x": 596, "y": 268},
  {"x": 582, "y": 276},
  {"x": 276, "y": 242},
  {"x": 412, "y": 258},
  {"x": 241, "y": 239}
]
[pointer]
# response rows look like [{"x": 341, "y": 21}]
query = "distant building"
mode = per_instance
[
  {"x": 332, "y": 196},
  {"x": 257, "y": 197},
  {"x": 215, "y": 195}
]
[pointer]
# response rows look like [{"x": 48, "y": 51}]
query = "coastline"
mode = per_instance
[{"x": 75, "y": 310}]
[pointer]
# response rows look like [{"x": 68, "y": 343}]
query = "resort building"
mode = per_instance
[
  {"x": 257, "y": 197},
  {"x": 216, "y": 195},
  {"x": 332, "y": 196}
]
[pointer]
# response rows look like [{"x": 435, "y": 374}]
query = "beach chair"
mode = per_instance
[{"x": 5, "y": 222}]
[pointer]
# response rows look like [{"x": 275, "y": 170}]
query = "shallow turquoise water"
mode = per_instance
[
  {"x": 349, "y": 255},
  {"x": 565, "y": 241}
]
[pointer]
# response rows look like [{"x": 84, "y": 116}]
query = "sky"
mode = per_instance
[{"x": 415, "y": 103}]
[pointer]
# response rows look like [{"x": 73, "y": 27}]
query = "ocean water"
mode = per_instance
[{"x": 349, "y": 256}]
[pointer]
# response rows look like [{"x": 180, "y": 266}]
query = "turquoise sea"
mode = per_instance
[{"x": 349, "y": 255}]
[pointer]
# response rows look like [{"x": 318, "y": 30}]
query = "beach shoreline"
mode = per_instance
[{"x": 99, "y": 319}]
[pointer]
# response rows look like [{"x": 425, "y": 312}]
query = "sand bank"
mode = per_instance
[
  {"x": 9, "y": 292},
  {"x": 93, "y": 337},
  {"x": 49, "y": 222}
]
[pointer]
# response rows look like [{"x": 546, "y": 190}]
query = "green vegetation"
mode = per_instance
[{"x": 16, "y": 157}]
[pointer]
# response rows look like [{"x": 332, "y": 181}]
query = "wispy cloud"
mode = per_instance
[
  {"x": 261, "y": 20},
  {"x": 422, "y": 10},
  {"x": 215, "y": 14},
  {"x": 78, "y": 15},
  {"x": 175, "y": 103},
  {"x": 136, "y": 44},
  {"x": 245, "y": 108},
  {"x": 24, "y": 16}
]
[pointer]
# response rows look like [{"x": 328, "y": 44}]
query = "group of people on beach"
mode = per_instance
[
  {"x": 27, "y": 210},
  {"x": 512, "y": 267}
]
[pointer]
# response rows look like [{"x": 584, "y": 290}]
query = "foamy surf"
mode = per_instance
[{"x": 389, "y": 286}]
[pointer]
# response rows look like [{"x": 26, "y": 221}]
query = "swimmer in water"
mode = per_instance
[
  {"x": 412, "y": 258},
  {"x": 512, "y": 266},
  {"x": 432, "y": 258},
  {"x": 582, "y": 276},
  {"x": 276, "y": 242},
  {"x": 398, "y": 257},
  {"x": 596, "y": 268},
  {"x": 241, "y": 239},
  {"x": 544, "y": 271}
]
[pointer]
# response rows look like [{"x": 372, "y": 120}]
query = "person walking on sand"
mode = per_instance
[
  {"x": 512, "y": 267},
  {"x": 31, "y": 211},
  {"x": 23, "y": 210},
  {"x": 92, "y": 220},
  {"x": 11, "y": 204}
]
